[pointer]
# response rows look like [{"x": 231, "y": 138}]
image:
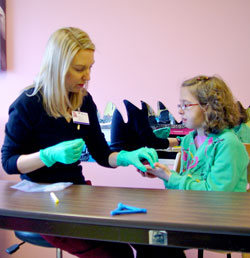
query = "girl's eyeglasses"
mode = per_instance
[{"x": 186, "y": 106}]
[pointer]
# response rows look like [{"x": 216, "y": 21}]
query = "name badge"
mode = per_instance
[{"x": 80, "y": 117}]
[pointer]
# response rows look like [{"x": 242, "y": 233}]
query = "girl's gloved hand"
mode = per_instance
[
  {"x": 125, "y": 158},
  {"x": 66, "y": 152},
  {"x": 162, "y": 132}
]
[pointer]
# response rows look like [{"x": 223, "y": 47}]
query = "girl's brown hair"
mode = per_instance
[
  {"x": 244, "y": 116},
  {"x": 217, "y": 100}
]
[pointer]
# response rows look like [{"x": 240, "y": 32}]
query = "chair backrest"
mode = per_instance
[
  {"x": 247, "y": 146},
  {"x": 177, "y": 162}
]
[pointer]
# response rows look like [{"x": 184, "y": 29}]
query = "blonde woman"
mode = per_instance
[{"x": 53, "y": 120}]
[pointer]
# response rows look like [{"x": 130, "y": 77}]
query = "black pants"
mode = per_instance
[{"x": 150, "y": 251}]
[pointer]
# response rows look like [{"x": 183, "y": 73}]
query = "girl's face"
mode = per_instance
[
  {"x": 193, "y": 116},
  {"x": 79, "y": 71}
]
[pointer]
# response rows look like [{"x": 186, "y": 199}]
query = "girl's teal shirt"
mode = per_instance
[{"x": 219, "y": 164}]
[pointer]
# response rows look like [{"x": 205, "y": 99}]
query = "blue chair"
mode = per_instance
[{"x": 34, "y": 239}]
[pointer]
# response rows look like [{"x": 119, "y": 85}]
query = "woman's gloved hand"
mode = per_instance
[
  {"x": 66, "y": 152},
  {"x": 162, "y": 132},
  {"x": 125, "y": 158}
]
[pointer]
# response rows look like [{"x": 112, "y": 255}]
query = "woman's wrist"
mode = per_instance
[
  {"x": 172, "y": 142},
  {"x": 113, "y": 159},
  {"x": 27, "y": 163}
]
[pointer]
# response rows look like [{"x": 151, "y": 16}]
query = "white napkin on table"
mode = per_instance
[{"x": 27, "y": 186}]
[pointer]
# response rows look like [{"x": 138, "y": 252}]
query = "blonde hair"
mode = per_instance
[
  {"x": 61, "y": 48},
  {"x": 215, "y": 96}
]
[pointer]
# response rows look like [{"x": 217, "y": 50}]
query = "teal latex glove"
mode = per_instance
[
  {"x": 65, "y": 152},
  {"x": 162, "y": 132},
  {"x": 125, "y": 158}
]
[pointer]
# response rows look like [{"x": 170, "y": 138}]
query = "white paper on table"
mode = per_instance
[{"x": 27, "y": 186}]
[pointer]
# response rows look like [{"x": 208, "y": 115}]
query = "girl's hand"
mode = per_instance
[
  {"x": 161, "y": 171},
  {"x": 146, "y": 174}
]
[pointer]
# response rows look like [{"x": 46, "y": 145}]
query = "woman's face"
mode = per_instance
[
  {"x": 79, "y": 71},
  {"x": 193, "y": 116}
]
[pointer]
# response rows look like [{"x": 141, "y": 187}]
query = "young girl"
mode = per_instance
[{"x": 213, "y": 158}]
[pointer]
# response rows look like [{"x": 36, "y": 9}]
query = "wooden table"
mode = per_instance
[{"x": 192, "y": 219}]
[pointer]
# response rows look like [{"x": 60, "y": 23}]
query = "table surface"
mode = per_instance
[{"x": 191, "y": 218}]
